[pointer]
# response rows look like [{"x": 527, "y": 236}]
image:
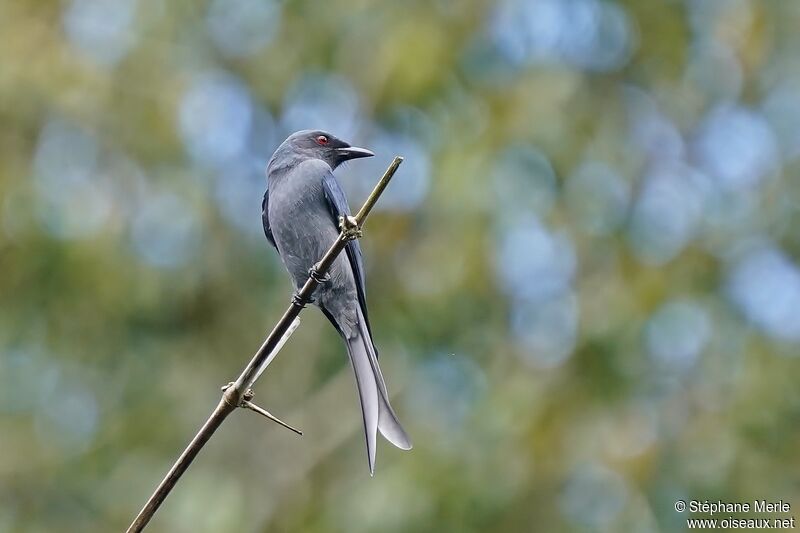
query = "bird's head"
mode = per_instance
[{"x": 318, "y": 144}]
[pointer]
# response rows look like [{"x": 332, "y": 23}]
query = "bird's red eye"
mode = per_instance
[{"x": 322, "y": 140}]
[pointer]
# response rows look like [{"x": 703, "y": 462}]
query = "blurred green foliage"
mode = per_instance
[{"x": 583, "y": 280}]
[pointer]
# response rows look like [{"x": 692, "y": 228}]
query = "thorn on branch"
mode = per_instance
[{"x": 263, "y": 412}]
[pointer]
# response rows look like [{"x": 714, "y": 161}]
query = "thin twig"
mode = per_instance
[
  {"x": 234, "y": 395},
  {"x": 263, "y": 412}
]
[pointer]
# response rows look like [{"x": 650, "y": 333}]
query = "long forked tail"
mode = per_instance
[{"x": 378, "y": 413}]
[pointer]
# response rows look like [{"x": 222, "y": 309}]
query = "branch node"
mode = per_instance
[{"x": 263, "y": 412}]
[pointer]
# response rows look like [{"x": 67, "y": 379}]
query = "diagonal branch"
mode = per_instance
[{"x": 236, "y": 395}]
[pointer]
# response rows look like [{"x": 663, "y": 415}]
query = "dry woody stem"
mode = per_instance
[{"x": 238, "y": 393}]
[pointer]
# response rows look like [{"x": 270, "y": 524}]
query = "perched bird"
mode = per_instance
[{"x": 301, "y": 213}]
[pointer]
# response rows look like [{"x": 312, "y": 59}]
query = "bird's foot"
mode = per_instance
[
  {"x": 299, "y": 300},
  {"x": 314, "y": 274},
  {"x": 349, "y": 226}
]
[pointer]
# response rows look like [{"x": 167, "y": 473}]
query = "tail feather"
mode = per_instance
[
  {"x": 388, "y": 424},
  {"x": 367, "y": 394},
  {"x": 376, "y": 410}
]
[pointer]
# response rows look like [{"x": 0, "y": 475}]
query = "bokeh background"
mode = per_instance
[{"x": 584, "y": 280}]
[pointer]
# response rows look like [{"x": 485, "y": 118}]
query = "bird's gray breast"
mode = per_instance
[
  {"x": 304, "y": 229},
  {"x": 299, "y": 217}
]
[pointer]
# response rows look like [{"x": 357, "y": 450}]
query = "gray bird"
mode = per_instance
[{"x": 301, "y": 213}]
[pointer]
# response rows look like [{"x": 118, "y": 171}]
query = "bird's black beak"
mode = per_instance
[{"x": 353, "y": 152}]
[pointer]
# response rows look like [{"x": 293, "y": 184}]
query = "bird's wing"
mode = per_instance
[
  {"x": 337, "y": 205},
  {"x": 265, "y": 218}
]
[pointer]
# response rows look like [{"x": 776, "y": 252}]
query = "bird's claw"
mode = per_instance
[
  {"x": 314, "y": 274},
  {"x": 300, "y": 301},
  {"x": 350, "y": 228}
]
